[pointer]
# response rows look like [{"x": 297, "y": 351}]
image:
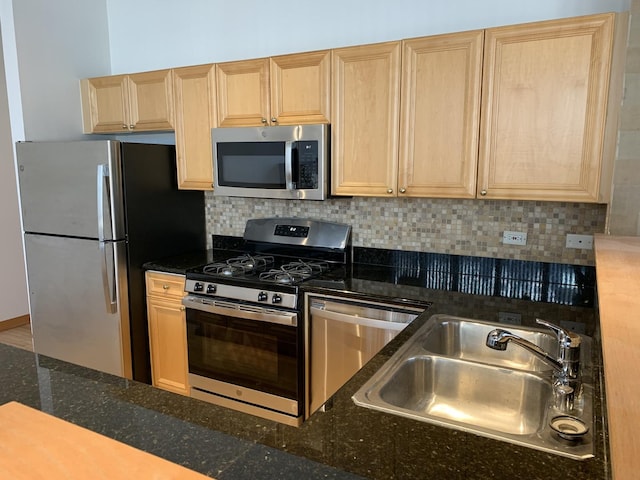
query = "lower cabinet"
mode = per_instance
[{"x": 167, "y": 332}]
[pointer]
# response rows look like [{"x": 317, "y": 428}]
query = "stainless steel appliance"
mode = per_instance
[
  {"x": 93, "y": 212},
  {"x": 344, "y": 335},
  {"x": 245, "y": 330},
  {"x": 289, "y": 162}
]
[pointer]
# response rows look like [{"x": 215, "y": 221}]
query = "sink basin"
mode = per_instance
[
  {"x": 465, "y": 339},
  {"x": 453, "y": 390},
  {"x": 444, "y": 374}
]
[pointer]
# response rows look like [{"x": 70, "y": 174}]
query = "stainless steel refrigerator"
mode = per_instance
[{"x": 93, "y": 213}]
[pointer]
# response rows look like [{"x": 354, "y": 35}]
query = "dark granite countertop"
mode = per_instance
[{"x": 344, "y": 442}]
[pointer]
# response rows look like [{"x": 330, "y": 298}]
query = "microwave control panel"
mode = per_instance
[{"x": 307, "y": 171}]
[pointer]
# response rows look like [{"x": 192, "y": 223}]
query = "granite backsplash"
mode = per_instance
[{"x": 451, "y": 226}]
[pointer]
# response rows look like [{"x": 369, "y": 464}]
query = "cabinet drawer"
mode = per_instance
[{"x": 165, "y": 285}]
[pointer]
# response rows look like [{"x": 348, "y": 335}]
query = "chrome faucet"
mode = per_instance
[{"x": 566, "y": 367}]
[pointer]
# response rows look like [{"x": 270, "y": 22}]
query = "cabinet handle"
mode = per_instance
[
  {"x": 274, "y": 120},
  {"x": 403, "y": 190},
  {"x": 124, "y": 127},
  {"x": 131, "y": 127},
  {"x": 389, "y": 190},
  {"x": 483, "y": 192},
  {"x": 182, "y": 308},
  {"x": 165, "y": 287},
  {"x": 264, "y": 120}
]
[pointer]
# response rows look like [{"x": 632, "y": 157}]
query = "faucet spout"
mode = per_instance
[
  {"x": 498, "y": 340},
  {"x": 566, "y": 367}
]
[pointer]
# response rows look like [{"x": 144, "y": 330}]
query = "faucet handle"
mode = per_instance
[{"x": 565, "y": 337}]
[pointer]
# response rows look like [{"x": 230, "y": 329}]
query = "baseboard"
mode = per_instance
[{"x": 14, "y": 322}]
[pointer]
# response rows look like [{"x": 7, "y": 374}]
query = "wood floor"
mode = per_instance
[{"x": 18, "y": 337}]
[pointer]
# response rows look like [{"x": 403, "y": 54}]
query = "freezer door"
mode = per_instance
[
  {"x": 72, "y": 188},
  {"x": 79, "y": 309}
]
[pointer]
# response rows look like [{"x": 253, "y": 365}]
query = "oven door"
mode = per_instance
[{"x": 251, "y": 354}]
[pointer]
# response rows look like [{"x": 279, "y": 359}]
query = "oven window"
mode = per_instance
[
  {"x": 251, "y": 164},
  {"x": 258, "y": 355}
]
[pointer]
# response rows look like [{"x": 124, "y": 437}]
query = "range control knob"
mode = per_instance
[
  {"x": 198, "y": 287},
  {"x": 276, "y": 298},
  {"x": 263, "y": 297},
  {"x": 211, "y": 288}
]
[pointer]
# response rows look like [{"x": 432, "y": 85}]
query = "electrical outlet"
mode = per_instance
[
  {"x": 579, "y": 241},
  {"x": 510, "y": 318},
  {"x": 514, "y": 238}
]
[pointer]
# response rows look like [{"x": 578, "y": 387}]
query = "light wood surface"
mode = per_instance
[
  {"x": 124, "y": 103},
  {"x": 618, "y": 280},
  {"x": 544, "y": 105},
  {"x": 440, "y": 115},
  {"x": 105, "y": 104},
  {"x": 151, "y": 99},
  {"x": 167, "y": 332},
  {"x": 194, "y": 95},
  {"x": 365, "y": 109},
  {"x": 243, "y": 93},
  {"x": 300, "y": 87},
  {"x": 19, "y": 337},
  {"x": 35, "y": 445}
]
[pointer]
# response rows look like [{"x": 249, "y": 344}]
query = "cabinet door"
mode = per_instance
[
  {"x": 544, "y": 108},
  {"x": 300, "y": 88},
  {"x": 194, "y": 91},
  {"x": 167, "y": 338},
  {"x": 365, "y": 110},
  {"x": 440, "y": 115},
  {"x": 105, "y": 104},
  {"x": 151, "y": 100},
  {"x": 243, "y": 93}
]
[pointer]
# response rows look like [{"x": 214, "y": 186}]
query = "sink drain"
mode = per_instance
[{"x": 568, "y": 427}]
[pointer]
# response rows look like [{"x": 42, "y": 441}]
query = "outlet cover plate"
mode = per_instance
[
  {"x": 579, "y": 241},
  {"x": 514, "y": 238}
]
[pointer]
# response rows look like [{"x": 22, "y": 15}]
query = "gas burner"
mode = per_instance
[
  {"x": 238, "y": 266},
  {"x": 294, "y": 272}
]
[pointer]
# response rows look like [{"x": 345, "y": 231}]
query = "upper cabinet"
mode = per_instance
[
  {"x": 524, "y": 112},
  {"x": 365, "y": 109},
  {"x": 284, "y": 90},
  {"x": 124, "y": 103},
  {"x": 440, "y": 115},
  {"x": 194, "y": 93},
  {"x": 544, "y": 107}
]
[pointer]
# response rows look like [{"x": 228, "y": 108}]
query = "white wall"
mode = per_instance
[
  {"x": 58, "y": 43},
  {"x": 13, "y": 288},
  {"x": 153, "y": 34}
]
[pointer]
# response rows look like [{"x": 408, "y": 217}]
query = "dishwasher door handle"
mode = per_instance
[{"x": 365, "y": 322}]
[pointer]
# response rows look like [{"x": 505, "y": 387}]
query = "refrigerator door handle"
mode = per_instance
[
  {"x": 102, "y": 177},
  {"x": 109, "y": 282}
]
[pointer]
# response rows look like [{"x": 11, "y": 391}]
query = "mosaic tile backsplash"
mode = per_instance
[{"x": 459, "y": 227}]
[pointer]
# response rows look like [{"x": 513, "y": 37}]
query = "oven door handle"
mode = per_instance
[{"x": 241, "y": 311}]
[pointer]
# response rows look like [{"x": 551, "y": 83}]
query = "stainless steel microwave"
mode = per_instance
[{"x": 289, "y": 162}]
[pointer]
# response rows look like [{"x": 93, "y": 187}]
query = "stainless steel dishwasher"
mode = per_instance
[{"x": 344, "y": 334}]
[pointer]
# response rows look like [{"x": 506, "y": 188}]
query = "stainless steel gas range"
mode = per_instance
[{"x": 244, "y": 315}]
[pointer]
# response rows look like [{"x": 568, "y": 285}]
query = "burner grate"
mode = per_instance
[
  {"x": 294, "y": 272},
  {"x": 239, "y": 266}
]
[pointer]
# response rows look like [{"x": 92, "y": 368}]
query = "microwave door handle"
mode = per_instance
[{"x": 288, "y": 166}]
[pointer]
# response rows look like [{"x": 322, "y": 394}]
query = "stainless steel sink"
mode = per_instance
[
  {"x": 445, "y": 375},
  {"x": 465, "y": 339},
  {"x": 458, "y": 391}
]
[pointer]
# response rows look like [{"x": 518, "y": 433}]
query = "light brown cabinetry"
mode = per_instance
[
  {"x": 283, "y": 90},
  {"x": 440, "y": 115},
  {"x": 167, "y": 331},
  {"x": 194, "y": 93},
  {"x": 123, "y": 103},
  {"x": 544, "y": 106},
  {"x": 365, "y": 110}
]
